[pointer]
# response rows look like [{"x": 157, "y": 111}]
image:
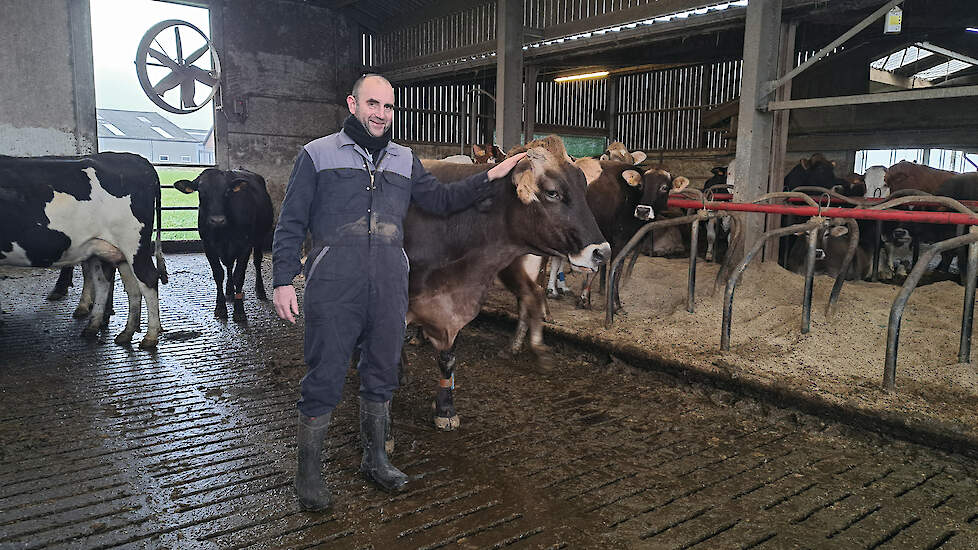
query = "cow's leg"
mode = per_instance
[
  {"x": 84, "y": 307},
  {"x": 238, "y": 277},
  {"x": 153, "y": 326},
  {"x": 60, "y": 289},
  {"x": 711, "y": 238},
  {"x": 584, "y": 300},
  {"x": 259, "y": 283},
  {"x": 446, "y": 418},
  {"x": 221, "y": 308},
  {"x": 100, "y": 289},
  {"x": 555, "y": 264},
  {"x": 134, "y": 294}
]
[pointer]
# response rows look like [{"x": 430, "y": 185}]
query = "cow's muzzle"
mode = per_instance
[
  {"x": 901, "y": 235},
  {"x": 217, "y": 221},
  {"x": 591, "y": 257},
  {"x": 644, "y": 212}
]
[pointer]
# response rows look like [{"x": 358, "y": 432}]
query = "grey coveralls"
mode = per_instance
[{"x": 356, "y": 292}]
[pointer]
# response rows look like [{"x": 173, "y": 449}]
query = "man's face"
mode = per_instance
[{"x": 374, "y": 107}]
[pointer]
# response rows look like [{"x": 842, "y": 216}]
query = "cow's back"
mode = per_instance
[{"x": 910, "y": 175}]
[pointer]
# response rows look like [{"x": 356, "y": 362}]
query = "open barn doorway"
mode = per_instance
[{"x": 180, "y": 144}]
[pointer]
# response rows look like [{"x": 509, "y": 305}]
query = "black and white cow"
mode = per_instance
[
  {"x": 59, "y": 211},
  {"x": 234, "y": 220}
]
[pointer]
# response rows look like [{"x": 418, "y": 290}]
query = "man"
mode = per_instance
[{"x": 351, "y": 190}]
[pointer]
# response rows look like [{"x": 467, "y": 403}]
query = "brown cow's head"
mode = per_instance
[
  {"x": 553, "y": 216},
  {"x": 487, "y": 154},
  {"x": 617, "y": 151}
]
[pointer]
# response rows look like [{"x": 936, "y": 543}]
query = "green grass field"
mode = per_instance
[{"x": 172, "y": 197}]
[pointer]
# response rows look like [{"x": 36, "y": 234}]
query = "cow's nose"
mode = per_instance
[
  {"x": 217, "y": 221},
  {"x": 601, "y": 254},
  {"x": 901, "y": 233},
  {"x": 644, "y": 212}
]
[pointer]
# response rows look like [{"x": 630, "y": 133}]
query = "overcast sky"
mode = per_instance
[{"x": 117, "y": 27}]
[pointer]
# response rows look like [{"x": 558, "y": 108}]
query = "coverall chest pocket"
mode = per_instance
[
  {"x": 342, "y": 190},
  {"x": 396, "y": 194}
]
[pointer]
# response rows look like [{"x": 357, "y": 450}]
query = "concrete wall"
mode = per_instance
[
  {"x": 288, "y": 68},
  {"x": 47, "y": 93}
]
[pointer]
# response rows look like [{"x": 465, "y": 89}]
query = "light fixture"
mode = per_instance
[
  {"x": 597, "y": 74},
  {"x": 971, "y": 29}
]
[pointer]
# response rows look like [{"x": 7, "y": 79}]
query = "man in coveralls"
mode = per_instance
[{"x": 351, "y": 190}]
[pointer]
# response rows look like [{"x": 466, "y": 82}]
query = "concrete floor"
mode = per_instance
[{"x": 192, "y": 446}]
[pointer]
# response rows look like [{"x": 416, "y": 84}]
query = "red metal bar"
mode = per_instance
[
  {"x": 953, "y": 218},
  {"x": 729, "y": 196}
]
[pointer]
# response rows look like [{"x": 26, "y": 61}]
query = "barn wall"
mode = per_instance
[
  {"x": 288, "y": 68},
  {"x": 47, "y": 93}
]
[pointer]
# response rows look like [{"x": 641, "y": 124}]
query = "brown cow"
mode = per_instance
[
  {"x": 540, "y": 208},
  {"x": 910, "y": 175}
]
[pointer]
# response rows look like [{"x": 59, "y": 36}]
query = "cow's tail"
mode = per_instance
[{"x": 160, "y": 262}]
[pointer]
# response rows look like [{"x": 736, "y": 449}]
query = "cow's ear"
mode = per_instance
[
  {"x": 803, "y": 163},
  {"x": 680, "y": 183},
  {"x": 632, "y": 178},
  {"x": 604, "y": 156},
  {"x": 590, "y": 167},
  {"x": 639, "y": 157},
  {"x": 186, "y": 186},
  {"x": 238, "y": 184},
  {"x": 477, "y": 151},
  {"x": 526, "y": 183},
  {"x": 838, "y": 231}
]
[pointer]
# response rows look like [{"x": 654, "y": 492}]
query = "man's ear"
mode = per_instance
[{"x": 351, "y": 102}]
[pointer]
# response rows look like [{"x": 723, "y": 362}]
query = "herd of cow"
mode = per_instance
[{"x": 98, "y": 211}]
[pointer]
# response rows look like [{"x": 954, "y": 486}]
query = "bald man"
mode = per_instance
[{"x": 351, "y": 190}]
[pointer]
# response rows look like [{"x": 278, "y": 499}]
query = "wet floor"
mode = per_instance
[{"x": 192, "y": 446}]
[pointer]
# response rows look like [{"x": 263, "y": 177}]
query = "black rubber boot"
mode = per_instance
[
  {"x": 309, "y": 487},
  {"x": 374, "y": 424}
]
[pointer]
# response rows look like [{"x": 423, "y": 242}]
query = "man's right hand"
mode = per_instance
[{"x": 286, "y": 304}]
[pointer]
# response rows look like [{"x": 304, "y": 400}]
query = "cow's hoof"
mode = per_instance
[
  {"x": 221, "y": 312},
  {"x": 148, "y": 343},
  {"x": 57, "y": 295},
  {"x": 583, "y": 303},
  {"x": 124, "y": 338},
  {"x": 238, "y": 317},
  {"x": 260, "y": 294},
  {"x": 553, "y": 294},
  {"x": 89, "y": 332},
  {"x": 447, "y": 424},
  {"x": 80, "y": 312}
]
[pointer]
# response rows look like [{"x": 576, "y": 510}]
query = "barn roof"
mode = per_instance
[{"x": 143, "y": 125}]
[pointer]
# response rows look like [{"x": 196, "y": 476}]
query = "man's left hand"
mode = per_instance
[{"x": 503, "y": 168}]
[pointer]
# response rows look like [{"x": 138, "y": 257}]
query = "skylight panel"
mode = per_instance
[{"x": 162, "y": 132}]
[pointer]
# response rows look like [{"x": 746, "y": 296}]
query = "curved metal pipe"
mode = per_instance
[
  {"x": 806, "y": 303},
  {"x": 896, "y": 311},
  {"x": 694, "y": 234},
  {"x": 846, "y": 263},
  {"x": 739, "y": 270},
  {"x": 944, "y": 201},
  {"x": 968, "y": 311},
  {"x": 613, "y": 268}
]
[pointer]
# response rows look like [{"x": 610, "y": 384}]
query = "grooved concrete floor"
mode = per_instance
[{"x": 192, "y": 446}]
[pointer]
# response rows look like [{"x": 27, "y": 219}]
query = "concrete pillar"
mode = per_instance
[
  {"x": 529, "y": 102},
  {"x": 754, "y": 132},
  {"x": 509, "y": 72},
  {"x": 779, "y": 144}
]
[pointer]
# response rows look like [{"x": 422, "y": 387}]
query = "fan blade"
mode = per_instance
[
  {"x": 203, "y": 76},
  {"x": 164, "y": 59},
  {"x": 168, "y": 83},
  {"x": 176, "y": 33},
  {"x": 187, "y": 89},
  {"x": 197, "y": 54}
]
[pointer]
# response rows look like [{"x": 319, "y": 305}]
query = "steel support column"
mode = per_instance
[
  {"x": 529, "y": 101},
  {"x": 509, "y": 72},
  {"x": 762, "y": 34}
]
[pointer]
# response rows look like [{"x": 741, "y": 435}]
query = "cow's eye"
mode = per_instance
[{"x": 552, "y": 194}]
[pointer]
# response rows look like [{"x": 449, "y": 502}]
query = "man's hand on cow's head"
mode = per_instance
[
  {"x": 500, "y": 170},
  {"x": 286, "y": 304}
]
